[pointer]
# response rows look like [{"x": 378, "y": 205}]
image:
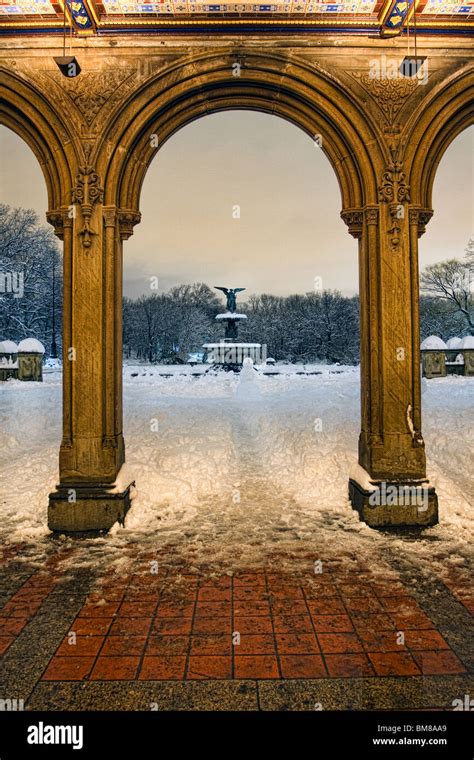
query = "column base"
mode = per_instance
[
  {"x": 88, "y": 508},
  {"x": 385, "y": 504}
]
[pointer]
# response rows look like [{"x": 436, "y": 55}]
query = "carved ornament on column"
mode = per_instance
[
  {"x": 110, "y": 216},
  {"x": 59, "y": 219},
  {"x": 372, "y": 215},
  {"x": 127, "y": 220},
  {"x": 394, "y": 191},
  {"x": 354, "y": 218},
  {"x": 420, "y": 217},
  {"x": 87, "y": 192}
]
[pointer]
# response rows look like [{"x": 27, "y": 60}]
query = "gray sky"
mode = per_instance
[{"x": 289, "y": 231}]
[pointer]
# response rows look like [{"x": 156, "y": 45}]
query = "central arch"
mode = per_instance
[{"x": 316, "y": 102}]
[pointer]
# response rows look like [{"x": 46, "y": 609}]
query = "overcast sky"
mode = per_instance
[{"x": 289, "y": 230}]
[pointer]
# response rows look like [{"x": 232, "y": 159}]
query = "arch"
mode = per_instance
[
  {"x": 27, "y": 112},
  {"x": 448, "y": 112},
  {"x": 310, "y": 98}
]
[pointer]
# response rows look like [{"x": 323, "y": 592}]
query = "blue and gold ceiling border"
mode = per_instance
[
  {"x": 363, "y": 17},
  {"x": 394, "y": 15},
  {"x": 82, "y": 16}
]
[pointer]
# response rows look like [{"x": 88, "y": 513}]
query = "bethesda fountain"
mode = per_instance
[{"x": 229, "y": 353}]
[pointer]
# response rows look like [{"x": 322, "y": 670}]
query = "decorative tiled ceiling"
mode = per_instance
[
  {"x": 28, "y": 8},
  {"x": 125, "y": 7},
  {"x": 107, "y": 16}
]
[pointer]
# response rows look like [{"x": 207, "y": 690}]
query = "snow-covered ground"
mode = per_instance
[{"x": 233, "y": 474}]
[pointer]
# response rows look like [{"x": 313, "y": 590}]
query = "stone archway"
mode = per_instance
[{"x": 96, "y": 169}]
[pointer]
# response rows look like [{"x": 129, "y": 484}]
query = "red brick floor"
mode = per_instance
[{"x": 258, "y": 625}]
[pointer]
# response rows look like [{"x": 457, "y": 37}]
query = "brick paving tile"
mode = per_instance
[
  {"x": 125, "y": 625},
  {"x": 12, "y": 626},
  {"x": 115, "y": 669},
  {"x": 374, "y": 623},
  {"x": 113, "y": 590},
  {"x": 212, "y": 625},
  {"x": 163, "y": 668},
  {"x": 251, "y": 609},
  {"x": 224, "y": 582},
  {"x": 286, "y": 592},
  {"x": 302, "y": 666},
  {"x": 425, "y": 639},
  {"x": 27, "y": 597},
  {"x": 5, "y": 642},
  {"x": 250, "y": 593},
  {"x": 91, "y": 626},
  {"x": 123, "y": 645},
  {"x": 181, "y": 595},
  {"x": 332, "y": 623},
  {"x": 339, "y": 643},
  {"x": 249, "y": 579},
  {"x": 213, "y": 609},
  {"x": 209, "y": 667},
  {"x": 348, "y": 665},
  {"x": 173, "y": 626},
  {"x": 139, "y": 596},
  {"x": 82, "y": 646},
  {"x": 211, "y": 644},
  {"x": 292, "y": 624},
  {"x": 256, "y": 666},
  {"x": 99, "y": 610},
  {"x": 19, "y": 609},
  {"x": 137, "y": 609},
  {"x": 113, "y": 595},
  {"x": 41, "y": 582},
  {"x": 391, "y": 589},
  {"x": 438, "y": 663},
  {"x": 68, "y": 668},
  {"x": 207, "y": 594},
  {"x": 394, "y": 664},
  {"x": 411, "y": 620},
  {"x": 257, "y": 643},
  {"x": 363, "y": 604},
  {"x": 183, "y": 609},
  {"x": 159, "y": 644},
  {"x": 297, "y": 643},
  {"x": 246, "y": 625},
  {"x": 278, "y": 580},
  {"x": 381, "y": 641},
  {"x": 326, "y": 606},
  {"x": 288, "y": 607}
]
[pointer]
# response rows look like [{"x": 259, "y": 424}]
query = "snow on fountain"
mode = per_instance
[{"x": 230, "y": 353}]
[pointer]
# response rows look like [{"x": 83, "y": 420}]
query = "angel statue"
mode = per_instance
[{"x": 230, "y": 295}]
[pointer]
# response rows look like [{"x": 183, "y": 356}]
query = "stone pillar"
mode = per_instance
[
  {"x": 468, "y": 354},
  {"x": 389, "y": 485},
  {"x": 92, "y": 493}
]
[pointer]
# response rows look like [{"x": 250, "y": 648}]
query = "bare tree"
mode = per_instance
[
  {"x": 29, "y": 255},
  {"x": 451, "y": 281}
]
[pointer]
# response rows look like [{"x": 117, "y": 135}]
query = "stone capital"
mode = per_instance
[
  {"x": 354, "y": 218},
  {"x": 127, "y": 220},
  {"x": 60, "y": 219},
  {"x": 419, "y": 217}
]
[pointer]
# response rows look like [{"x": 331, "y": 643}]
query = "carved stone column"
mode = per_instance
[
  {"x": 93, "y": 491},
  {"x": 389, "y": 487}
]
